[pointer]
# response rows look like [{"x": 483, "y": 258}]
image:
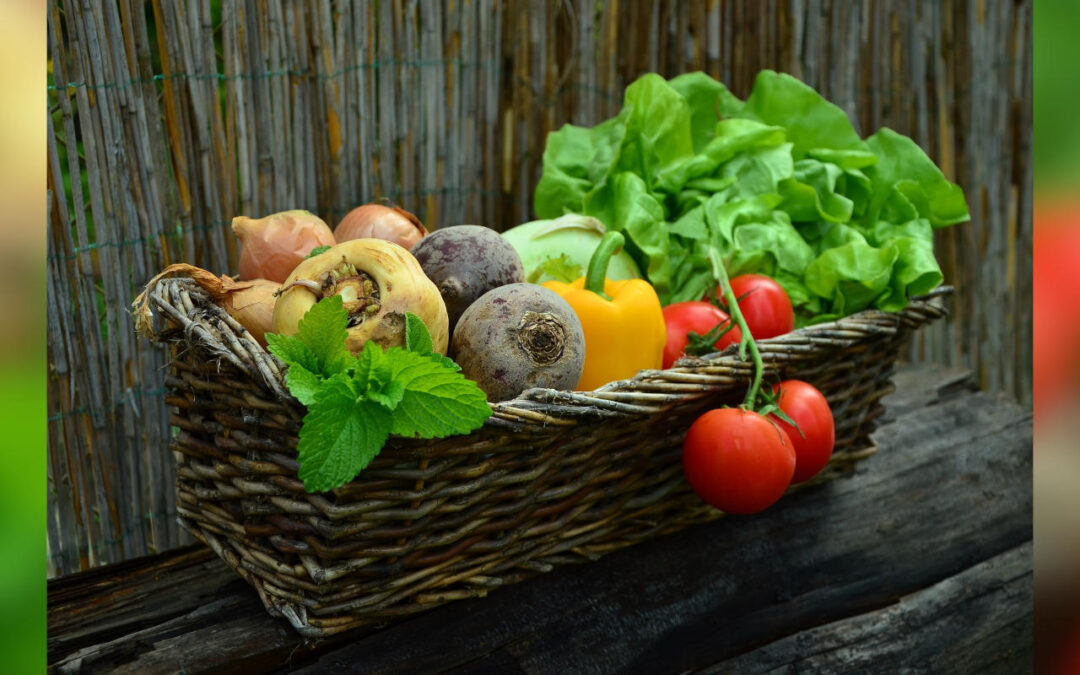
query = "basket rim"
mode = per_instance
[{"x": 206, "y": 324}]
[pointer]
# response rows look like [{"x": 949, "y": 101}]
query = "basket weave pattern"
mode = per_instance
[{"x": 551, "y": 478}]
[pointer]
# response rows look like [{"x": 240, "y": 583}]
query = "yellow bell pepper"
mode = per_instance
[{"x": 622, "y": 320}]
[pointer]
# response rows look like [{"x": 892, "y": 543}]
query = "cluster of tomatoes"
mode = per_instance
[{"x": 736, "y": 459}]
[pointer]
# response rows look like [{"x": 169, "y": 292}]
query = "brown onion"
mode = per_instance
[
  {"x": 375, "y": 221},
  {"x": 253, "y": 307},
  {"x": 272, "y": 247},
  {"x": 251, "y": 303}
]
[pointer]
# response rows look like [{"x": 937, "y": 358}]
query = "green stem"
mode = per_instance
[
  {"x": 611, "y": 243},
  {"x": 736, "y": 315}
]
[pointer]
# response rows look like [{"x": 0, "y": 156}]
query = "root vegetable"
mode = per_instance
[
  {"x": 519, "y": 336},
  {"x": 376, "y": 221},
  {"x": 571, "y": 238},
  {"x": 465, "y": 262},
  {"x": 251, "y": 303},
  {"x": 271, "y": 247},
  {"x": 253, "y": 307},
  {"x": 378, "y": 282}
]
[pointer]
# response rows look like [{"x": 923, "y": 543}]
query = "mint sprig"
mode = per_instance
[{"x": 355, "y": 402}]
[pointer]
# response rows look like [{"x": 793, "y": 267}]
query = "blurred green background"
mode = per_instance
[
  {"x": 1056, "y": 86},
  {"x": 22, "y": 342}
]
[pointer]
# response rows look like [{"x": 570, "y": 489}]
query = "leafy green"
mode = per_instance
[
  {"x": 354, "y": 403},
  {"x": 341, "y": 434},
  {"x": 560, "y": 268},
  {"x": 317, "y": 251},
  {"x": 778, "y": 184},
  {"x": 417, "y": 337},
  {"x": 319, "y": 343},
  {"x": 436, "y": 401}
]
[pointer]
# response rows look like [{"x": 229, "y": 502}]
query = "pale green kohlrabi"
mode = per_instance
[{"x": 559, "y": 249}]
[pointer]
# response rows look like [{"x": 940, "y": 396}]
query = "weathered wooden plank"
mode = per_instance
[
  {"x": 949, "y": 489},
  {"x": 978, "y": 621}
]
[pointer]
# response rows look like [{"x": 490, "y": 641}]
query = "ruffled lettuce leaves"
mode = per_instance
[{"x": 779, "y": 184}]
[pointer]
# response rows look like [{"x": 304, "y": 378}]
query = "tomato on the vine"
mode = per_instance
[
  {"x": 737, "y": 460},
  {"x": 764, "y": 304},
  {"x": 693, "y": 315},
  {"x": 807, "y": 407}
]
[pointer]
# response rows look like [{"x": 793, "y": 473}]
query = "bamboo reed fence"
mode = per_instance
[{"x": 166, "y": 119}]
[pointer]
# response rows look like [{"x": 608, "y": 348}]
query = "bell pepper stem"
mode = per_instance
[
  {"x": 610, "y": 244},
  {"x": 736, "y": 315}
]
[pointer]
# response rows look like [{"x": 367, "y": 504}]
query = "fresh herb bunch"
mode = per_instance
[{"x": 355, "y": 402}]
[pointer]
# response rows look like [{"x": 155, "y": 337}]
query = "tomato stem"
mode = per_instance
[{"x": 747, "y": 340}]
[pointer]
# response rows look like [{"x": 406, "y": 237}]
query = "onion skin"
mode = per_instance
[
  {"x": 272, "y": 247},
  {"x": 376, "y": 221},
  {"x": 253, "y": 307},
  {"x": 401, "y": 283}
]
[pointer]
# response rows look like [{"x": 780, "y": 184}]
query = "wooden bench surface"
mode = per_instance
[{"x": 923, "y": 558}]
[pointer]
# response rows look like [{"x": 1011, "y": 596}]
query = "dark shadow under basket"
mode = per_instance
[{"x": 551, "y": 478}]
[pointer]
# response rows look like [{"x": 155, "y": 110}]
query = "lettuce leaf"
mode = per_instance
[{"x": 779, "y": 184}]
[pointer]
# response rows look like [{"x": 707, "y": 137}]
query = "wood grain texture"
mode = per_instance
[
  {"x": 931, "y": 538},
  {"x": 979, "y": 621},
  {"x": 173, "y": 120}
]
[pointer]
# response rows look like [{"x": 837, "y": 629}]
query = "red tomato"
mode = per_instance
[
  {"x": 1055, "y": 305},
  {"x": 807, "y": 407},
  {"x": 693, "y": 315},
  {"x": 766, "y": 306},
  {"x": 737, "y": 461}
]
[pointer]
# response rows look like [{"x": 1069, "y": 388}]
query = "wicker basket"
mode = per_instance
[{"x": 551, "y": 478}]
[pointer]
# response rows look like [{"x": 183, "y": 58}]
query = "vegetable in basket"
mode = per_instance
[
  {"x": 378, "y": 283},
  {"x": 559, "y": 249},
  {"x": 813, "y": 434},
  {"x": 622, "y": 320},
  {"x": 519, "y": 336},
  {"x": 695, "y": 327},
  {"x": 737, "y": 460},
  {"x": 466, "y": 261},
  {"x": 355, "y": 401},
  {"x": 781, "y": 184},
  {"x": 377, "y": 221},
  {"x": 764, "y": 304},
  {"x": 272, "y": 247},
  {"x": 251, "y": 303}
]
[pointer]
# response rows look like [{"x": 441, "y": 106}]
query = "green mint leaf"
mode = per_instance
[
  {"x": 341, "y": 434},
  {"x": 316, "y": 251},
  {"x": 302, "y": 383},
  {"x": 436, "y": 401},
  {"x": 324, "y": 329},
  {"x": 368, "y": 365},
  {"x": 316, "y": 352},
  {"x": 292, "y": 351},
  {"x": 373, "y": 377},
  {"x": 417, "y": 337},
  {"x": 446, "y": 361},
  {"x": 389, "y": 396}
]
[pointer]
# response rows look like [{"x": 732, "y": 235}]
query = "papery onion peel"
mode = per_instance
[
  {"x": 272, "y": 247},
  {"x": 376, "y": 221}
]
